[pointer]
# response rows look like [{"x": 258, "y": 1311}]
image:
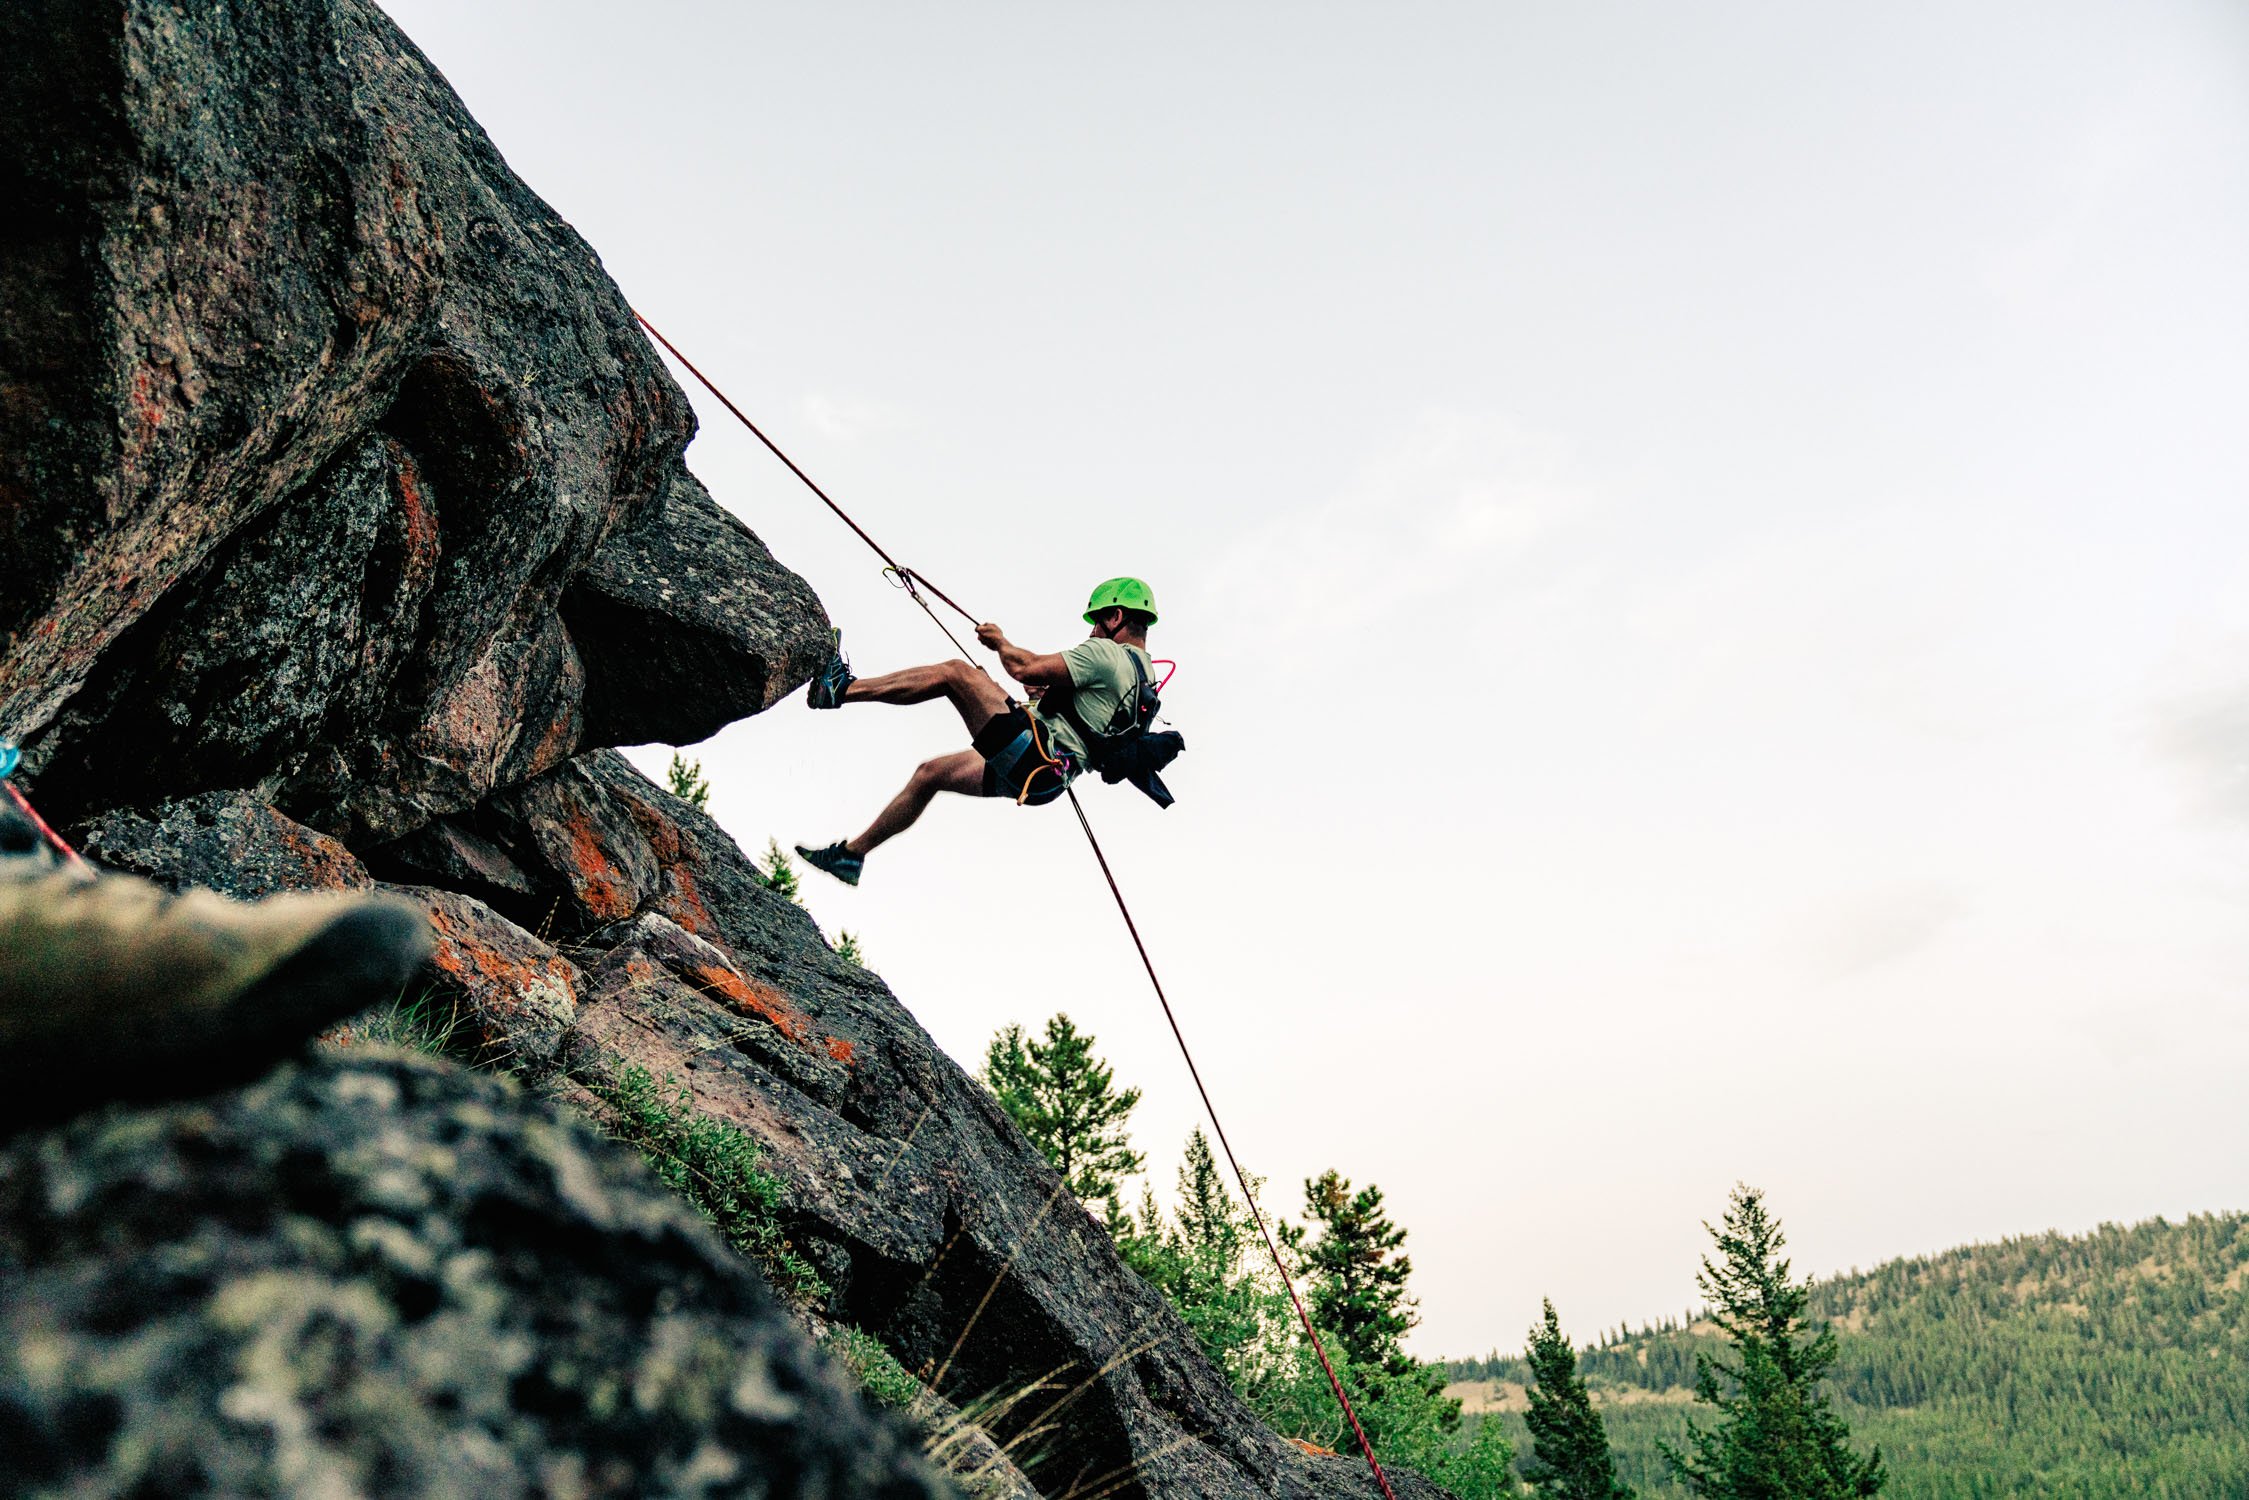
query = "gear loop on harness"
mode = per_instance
[{"x": 1058, "y": 765}]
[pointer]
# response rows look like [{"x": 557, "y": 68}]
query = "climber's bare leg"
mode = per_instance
[
  {"x": 975, "y": 696},
  {"x": 962, "y": 771}
]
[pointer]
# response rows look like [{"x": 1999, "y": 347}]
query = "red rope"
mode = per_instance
[
  {"x": 909, "y": 577},
  {"x": 1256, "y": 1216},
  {"x": 40, "y": 823},
  {"x": 774, "y": 448}
]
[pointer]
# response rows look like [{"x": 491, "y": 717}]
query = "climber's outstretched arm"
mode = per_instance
[{"x": 1030, "y": 668}]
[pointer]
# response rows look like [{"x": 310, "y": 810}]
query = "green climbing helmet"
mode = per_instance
[{"x": 1121, "y": 593}]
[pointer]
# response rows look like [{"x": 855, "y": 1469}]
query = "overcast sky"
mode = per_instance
[{"x": 1708, "y": 548}]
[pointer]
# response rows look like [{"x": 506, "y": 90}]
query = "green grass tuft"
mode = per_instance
[
  {"x": 421, "y": 1022},
  {"x": 713, "y": 1166},
  {"x": 872, "y": 1365}
]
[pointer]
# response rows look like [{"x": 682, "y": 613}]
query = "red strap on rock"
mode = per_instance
[{"x": 15, "y": 794}]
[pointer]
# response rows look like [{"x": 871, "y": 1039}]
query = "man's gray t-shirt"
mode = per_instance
[{"x": 1102, "y": 676}]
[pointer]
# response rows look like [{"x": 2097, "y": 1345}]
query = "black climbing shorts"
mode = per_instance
[{"x": 1014, "y": 765}]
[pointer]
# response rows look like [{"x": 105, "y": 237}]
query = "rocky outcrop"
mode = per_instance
[
  {"x": 315, "y": 415},
  {"x": 346, "y": 528},
  {"x": 231, "y": 842},
  {"x": 683, "y": 625},
  {"x": 378, "y": 1275}
]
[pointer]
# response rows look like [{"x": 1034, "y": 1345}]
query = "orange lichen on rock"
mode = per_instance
[
  {"x": 480, "y": 967},
  {"x": 148, "y": 410},
  {"x": 660, "y": 831},
  {"x": 1313, "y": 1448},
  {"x": 600, "y": 885},
  {"x": 757, "y": 999},
  {"x": 558, "y": 739},
  {"x": 641, "y": 971},
  {"x": 684, "y": 902},
  {"x": 324, "y": 862},
  {"x": 841, "y": 1050}
]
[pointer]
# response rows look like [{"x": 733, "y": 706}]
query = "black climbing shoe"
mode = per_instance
[
  {"x": 836, "y": 860},
  {"x": 828, "y": 684}
]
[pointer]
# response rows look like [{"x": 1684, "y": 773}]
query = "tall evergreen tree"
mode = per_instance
[
  {"x": 1569, "y": 1443},
  {"x": 1211, "y": 1267},
  {"x": 1219, "y": 1290},
  {"x": 1066, "y": 1100},
  {"x": 1357, "y": 1276},
  {"x": 1777, "y": 1438}
]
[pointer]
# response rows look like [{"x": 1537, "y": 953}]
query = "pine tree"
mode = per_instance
[
  {"x": 1358, "y": 1280},
  {"x": 1066, "y": 1100},
  {"x": 1777, "y": 1437},
  {"x": 687, "y": 783},
  {"x": 1144, "y": 1243},
  {"x": 1212, "y": 1230},
  {"x": 777, "y": 873},
  {"x": 846, "y": 944},
  {"x": 1569, "y": 1443},
  {"x": 1213, "y": 1270},
  {"x": 1221, "y": 1291}
]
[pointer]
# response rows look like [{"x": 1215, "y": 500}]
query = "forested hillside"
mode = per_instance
[{"x": 2109, "y": 1364}]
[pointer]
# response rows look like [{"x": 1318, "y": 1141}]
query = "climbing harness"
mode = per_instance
[
  {"x": 1015, "y": 752},
  {"x": 10, "y": 758},
  {"x": 908, "y": 579},
  {"x": 1129, "y": 748},
  {"x": 1058, "y": 766}
]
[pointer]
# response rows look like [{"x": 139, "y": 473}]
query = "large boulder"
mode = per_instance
[
  {"x": 684, "y": 625},
  {"x": 380, "y": 1275},
  {"x": 317, "y": 419}
]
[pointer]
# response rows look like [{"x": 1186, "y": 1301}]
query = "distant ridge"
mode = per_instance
[{"x": 2108, "y": 1364}]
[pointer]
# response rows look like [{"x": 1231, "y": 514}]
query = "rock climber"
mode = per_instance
[{"x": 1090, "y": 708}]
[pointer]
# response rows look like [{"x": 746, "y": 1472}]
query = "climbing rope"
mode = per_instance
[
  {"x": 908, "y": 579},
  {"x": 10, "y": 758},
  {"x": 893, "y": 569},
  {"x": 1257, "y": 1216}
]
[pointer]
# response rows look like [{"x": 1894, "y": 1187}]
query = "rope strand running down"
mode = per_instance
[
  {"x": 1241, "y": 1179},
  {"x": 908, "y": 579}
]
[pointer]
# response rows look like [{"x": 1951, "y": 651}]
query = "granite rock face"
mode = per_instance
[
  {"x": 661, "y": 619},
  {"x": 344, "y": 528},
  {"x": 232, "y": 842},
  {"x": 375, "y": 1274},
  {"x": 315, "y": 415}
]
